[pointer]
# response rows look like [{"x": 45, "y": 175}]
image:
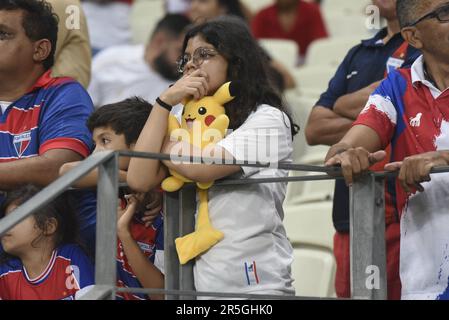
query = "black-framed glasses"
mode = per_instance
[
  {"x": 199, "y": 56},
  {"x": 441, "y": 14}
]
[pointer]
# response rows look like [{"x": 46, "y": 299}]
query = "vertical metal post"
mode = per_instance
[
  {"x": 187, "y": 225},
  {"x": 171, "y": 227},
  {"x": 179, "y": 210},
  {"x": 106, "y": 239},
  {"x": 367, "y": 236}
]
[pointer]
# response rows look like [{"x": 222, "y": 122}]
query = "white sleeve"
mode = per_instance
[
  {"x": 159, "y": 260},
  {"x": 264, "y": 137}
]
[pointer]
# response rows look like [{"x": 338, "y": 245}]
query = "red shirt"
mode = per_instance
[{"x": 308, "y": 26}]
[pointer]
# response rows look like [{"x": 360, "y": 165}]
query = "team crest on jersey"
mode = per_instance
[{"x": 21, "y": 142}]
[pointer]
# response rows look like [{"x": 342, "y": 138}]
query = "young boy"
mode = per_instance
[{"x": 139, "y": 223}]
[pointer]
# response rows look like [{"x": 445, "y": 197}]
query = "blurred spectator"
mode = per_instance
[
  {"x": 363, "y": 68},
  {"x": 296, "y": 20},
  {"x": 177, "y": 6},
  {"x": 73, "y": 52},
  {"x": 43, "y": 121},
  {"x": 133, "y": 70},
  {"x": 108, "y": 22},
  {"x": 203, "y": 10}
]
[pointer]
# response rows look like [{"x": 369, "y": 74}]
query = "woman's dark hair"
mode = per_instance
[
  {"x": 247, "y": 65},
  {"x": 61, "y": 209}
]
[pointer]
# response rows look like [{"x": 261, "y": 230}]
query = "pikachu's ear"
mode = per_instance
[
  {"x": 185, "y": 101},
  {"x": 224, "y": 94}
]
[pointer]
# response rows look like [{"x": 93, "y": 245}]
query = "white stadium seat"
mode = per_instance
[
  {"x": 312, "y": 80},
  {"x": 347, "y": 7},
  {"x": 310, "y": 230},
  {"x": 284, "y": 51},
  {"x": 340, "y": 25},
  {"x": 145, "y": 14},
  {"x": 330, "y": 51}
]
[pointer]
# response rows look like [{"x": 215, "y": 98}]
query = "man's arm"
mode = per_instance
[
  {"x": 350, "y": 105},
  {"x": 356, "y": 152},
  {"x": 326, "y": 127},
  {"x": 41, "y": 170}
]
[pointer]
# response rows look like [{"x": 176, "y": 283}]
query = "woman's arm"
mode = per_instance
[
  {"x": 145, "y": 174},
  {"x": 200, "y": 172}
]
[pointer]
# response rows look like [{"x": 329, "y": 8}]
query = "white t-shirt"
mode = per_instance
[
  {"x": 109, "y": 24},
  {"x": 121, "y": 72},
  {"x": 255, "y": 255}
]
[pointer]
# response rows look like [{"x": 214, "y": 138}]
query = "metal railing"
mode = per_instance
[{"x": 367, "y": 225}]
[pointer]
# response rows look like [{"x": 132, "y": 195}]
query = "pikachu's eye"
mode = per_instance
[{"x": 202, "y": 111}]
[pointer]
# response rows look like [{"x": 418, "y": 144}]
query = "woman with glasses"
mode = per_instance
[{"x": 255, "y": 255}]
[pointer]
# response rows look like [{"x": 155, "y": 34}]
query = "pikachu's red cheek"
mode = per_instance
[{"x": 209, "y": 120}]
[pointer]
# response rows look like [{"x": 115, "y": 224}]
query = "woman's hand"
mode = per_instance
[{"x": 190, "y": 85}]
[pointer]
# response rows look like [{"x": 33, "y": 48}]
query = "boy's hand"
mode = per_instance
[
  {"x": 125, "y": 216},
  {"x": 66, "y": 167}
]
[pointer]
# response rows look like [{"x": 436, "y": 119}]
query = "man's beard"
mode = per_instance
[{"x": 165, "y": 68}]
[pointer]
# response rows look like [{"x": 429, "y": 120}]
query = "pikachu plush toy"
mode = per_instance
[{"x": 201, "y": 120}]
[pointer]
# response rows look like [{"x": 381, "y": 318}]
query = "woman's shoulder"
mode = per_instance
[{"x": 269, "y": 115}]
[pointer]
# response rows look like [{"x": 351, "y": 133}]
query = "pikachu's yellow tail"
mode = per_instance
[{"x": 203, "y": 238}]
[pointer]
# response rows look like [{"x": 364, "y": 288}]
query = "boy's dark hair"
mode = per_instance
[
  {"x": 126, "y": 117},
  {"x": 172, "y": 24},
  {"x": 39, "y": 22},
  {"x": 61, "y": 209}
]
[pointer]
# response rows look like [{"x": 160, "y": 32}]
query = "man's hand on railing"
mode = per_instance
[
  {"x": 416, "y": 169},
  {"x": 353, "y": 161}
]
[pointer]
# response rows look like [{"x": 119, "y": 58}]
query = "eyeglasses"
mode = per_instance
[
  {"x": 199, "y": 56},
  {"x": 441, "y": 13}
]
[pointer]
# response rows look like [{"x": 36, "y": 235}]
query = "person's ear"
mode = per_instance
[
  {"x": 51, "y": 227},
  {"x": 413, "y": 36},
  {"x": 42, "y": 50},
  {"x": 159, "y": 40}
]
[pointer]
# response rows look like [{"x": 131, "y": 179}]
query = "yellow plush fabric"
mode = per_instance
[{"x": 204, "y": 123}]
